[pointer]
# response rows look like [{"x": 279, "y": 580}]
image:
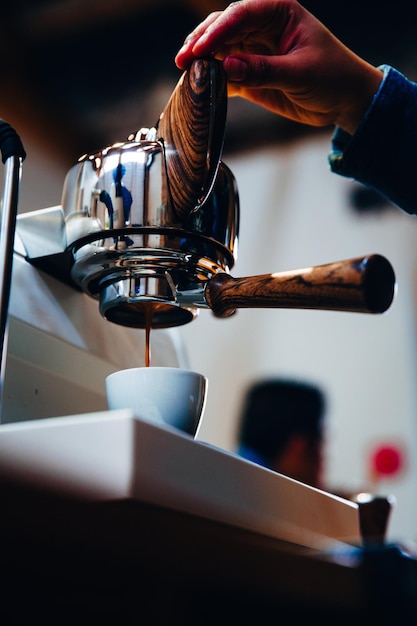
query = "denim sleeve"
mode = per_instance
[{"x": 382, "y": 154}]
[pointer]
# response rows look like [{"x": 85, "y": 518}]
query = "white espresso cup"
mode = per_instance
[{"x": 161, "y": 395}]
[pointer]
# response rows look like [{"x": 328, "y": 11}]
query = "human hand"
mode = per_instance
[{"x": 277, "y": 54}]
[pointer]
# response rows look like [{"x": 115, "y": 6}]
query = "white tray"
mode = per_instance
[{"x": 114, "y": 455}]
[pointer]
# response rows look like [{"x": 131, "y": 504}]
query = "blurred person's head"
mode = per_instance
[{"x": 282, "y": 428}]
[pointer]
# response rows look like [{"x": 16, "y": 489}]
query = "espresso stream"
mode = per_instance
[{"x": 148, "y": 309}]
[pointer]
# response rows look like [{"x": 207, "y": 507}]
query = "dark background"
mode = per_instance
[{"x": 82, "y": 74}]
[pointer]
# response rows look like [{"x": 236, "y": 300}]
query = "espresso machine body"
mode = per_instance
[{"x": 131, "y": 249}]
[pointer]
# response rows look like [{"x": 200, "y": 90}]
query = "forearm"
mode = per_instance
[{"x": 382, "y": 152}]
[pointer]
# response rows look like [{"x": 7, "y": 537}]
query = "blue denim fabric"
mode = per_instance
[{"x": 382, "y": 154}]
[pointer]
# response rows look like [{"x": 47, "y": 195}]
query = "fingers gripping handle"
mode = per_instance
[{"x": 362, "y": 285}]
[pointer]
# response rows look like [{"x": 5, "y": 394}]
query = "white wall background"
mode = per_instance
[{"x": 295, "y": 213}]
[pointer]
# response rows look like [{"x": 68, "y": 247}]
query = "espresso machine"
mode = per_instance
[{"x": 147, "y": 233}]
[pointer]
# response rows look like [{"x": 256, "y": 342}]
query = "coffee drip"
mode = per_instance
[{"x": 149, "y": 309}]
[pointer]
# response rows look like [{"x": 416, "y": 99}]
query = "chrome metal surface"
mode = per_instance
[
  {"x": 9, "y": 207},
  {"x": 129, "y": 247}
]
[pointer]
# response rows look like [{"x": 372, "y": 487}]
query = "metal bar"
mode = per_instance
[{"x": 9, "y": 207}]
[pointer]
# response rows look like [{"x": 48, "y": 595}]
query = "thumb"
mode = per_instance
[{"x": 250, "y": 70}]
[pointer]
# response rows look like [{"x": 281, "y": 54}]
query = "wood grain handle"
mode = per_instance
[
  {"x": 192, "y": 128},
  {"x": 362, "y": 285}
]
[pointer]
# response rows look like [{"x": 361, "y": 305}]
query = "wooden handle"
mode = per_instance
[
  {"x": 362, "y": 285},
  {"x": 192, "y": 128}
]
